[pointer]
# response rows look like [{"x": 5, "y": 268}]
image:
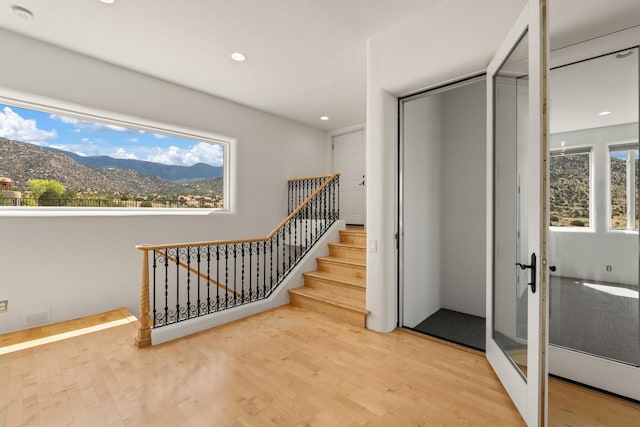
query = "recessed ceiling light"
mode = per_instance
[
  {"x": 604, "y": 113},
  {"x": 21, "y": 12},
  {"x": 238, "y": 56},
  {"x": 107, "y": 1},
  {"x": 624, "y": 54},
  {"x": 324, "y": 118}
]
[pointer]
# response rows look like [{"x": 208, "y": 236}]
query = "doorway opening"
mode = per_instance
[{"x": 442, "y": 212}]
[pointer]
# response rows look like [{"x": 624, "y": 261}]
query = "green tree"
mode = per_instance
[{"x": 46, "y": 191}]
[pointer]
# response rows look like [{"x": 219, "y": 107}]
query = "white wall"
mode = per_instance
[
  {"x": 75, "y": 265},
  {"x": 449, "y": 41},
  {"x": 463, "y": 199},
  {"x": 443, "y": 241},
  {"x": 422, "y": 222},
  {"x": 585, "y": 253}
]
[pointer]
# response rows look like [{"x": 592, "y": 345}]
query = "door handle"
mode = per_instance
[{"x": 532, "y": 266}]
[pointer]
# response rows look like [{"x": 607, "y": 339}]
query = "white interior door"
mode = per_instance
[
  {"x": 516, "y": 129},
  {"x": 349, "y": 162}
]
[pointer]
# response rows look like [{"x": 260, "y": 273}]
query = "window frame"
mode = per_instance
[
  {"x": 630, "y": 191},
  {"x": 136, "y": 123},
  {"x": 587, "y": 149}
]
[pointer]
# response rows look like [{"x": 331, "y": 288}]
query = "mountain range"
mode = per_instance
[
  {"x": 21, "y": 162},
  {"x": 174, "y": 173}
]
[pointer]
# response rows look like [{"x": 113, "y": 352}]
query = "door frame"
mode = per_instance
[{"x": 529, "y": 395}]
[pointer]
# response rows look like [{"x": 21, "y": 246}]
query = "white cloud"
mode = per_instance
[
  {"x": 202, "y": 152},
  {"x": 160, "y": 136},
  {"x": 133, "y": 139},
  {"x": 121, "y": 153},
  {"x": 14, "y": 126},
  {"x": 86, "y": 124}
]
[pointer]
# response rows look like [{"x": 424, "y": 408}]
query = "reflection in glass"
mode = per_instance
[
  {"x": 510, "y": 293},
  {"x": 594, "y": 290}
]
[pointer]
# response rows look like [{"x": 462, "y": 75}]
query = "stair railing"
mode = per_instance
[{"x": 187, "y": 280}]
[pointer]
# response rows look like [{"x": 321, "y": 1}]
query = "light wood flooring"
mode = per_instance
[{"x": 285, "y": 367}]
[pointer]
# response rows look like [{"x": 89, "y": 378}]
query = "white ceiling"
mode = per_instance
[
  {"x": 305, "y": 58},
  {"x": 581, "y": 91}
]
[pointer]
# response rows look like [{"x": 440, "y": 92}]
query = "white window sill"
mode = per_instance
[
  {"x": 613, "y": 231},
  {"x": 572, "y": 229},
  {"x": 102, "y": 212}
]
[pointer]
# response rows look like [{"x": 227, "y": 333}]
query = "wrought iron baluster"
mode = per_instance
[
  {"x": 199, "y": 301},
  {"x": 188, "y": 282},
  {"x": 226, "y": 275},
  {"x": 208, "y": 278},
  {"x": 338, "y": 197},
  {"x": 270, "y": 263},
  {"x": 217, "y": 277},
  {"x": 243, "y": 298},
  {"x": 288, "y": 245},
  {"x": 177, "y": 284},
  {"x": 235, "y": 274},
  {"x": 277, "y": 256},
  {"x": 296, "y": 222},
  {"x": 166, "y": 286},
  {"x": 264, "y": 262},
  {"x": 154, "y": 265},
  {"x": 257, "y": 269},
  {"x": 284, "y": 247}
]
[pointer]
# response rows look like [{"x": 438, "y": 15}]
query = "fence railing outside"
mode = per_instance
[
  {"x": 111, "y": 203},
  {"x": 184, "y": 281}
]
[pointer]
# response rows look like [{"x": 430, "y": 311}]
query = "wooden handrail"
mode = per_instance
[
  {"x": 202, "y": 275},
  {"x": 313, "y": 177},
  {"x": 257, "y": 239}
]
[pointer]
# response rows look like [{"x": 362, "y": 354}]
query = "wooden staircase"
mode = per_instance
[{"x": 338, "y": 287}]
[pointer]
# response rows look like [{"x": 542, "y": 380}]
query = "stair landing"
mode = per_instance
[{"x": 338, "y": 287}]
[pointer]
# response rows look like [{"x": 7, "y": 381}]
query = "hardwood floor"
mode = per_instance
[{"x": 285, "y": 367}]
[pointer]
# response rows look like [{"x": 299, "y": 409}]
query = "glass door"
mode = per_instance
[
  {"x": 594, "y": 207},
  {"x": 516, "y": 139}
]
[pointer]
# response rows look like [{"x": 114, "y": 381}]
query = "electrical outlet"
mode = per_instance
[
  {"x": 609, "y": 268},
  {"x": 4, "y": 305}
]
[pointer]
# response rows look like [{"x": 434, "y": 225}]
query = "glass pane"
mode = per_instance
[
  {"x": 511, "y": 89},
  {"x": 569, "y": 189},
  {"x": 637, "y": 187},
  {"x": 618, "y": 188},
  {"x": 594, "y": 288}
]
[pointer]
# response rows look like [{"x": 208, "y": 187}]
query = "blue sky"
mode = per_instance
[{"x": 94, "y": 139}]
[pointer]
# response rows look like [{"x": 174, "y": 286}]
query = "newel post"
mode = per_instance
[{"x": 144, "y": 333}]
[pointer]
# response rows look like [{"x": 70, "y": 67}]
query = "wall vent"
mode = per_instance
[{"x": 35, "y": 318}]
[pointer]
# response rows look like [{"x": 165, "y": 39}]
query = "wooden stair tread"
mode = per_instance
[
  {"x": 332, "y": 298},
  {"x": 343, "y": 261},
  {"x": 347, "y": 246},
  {"x": 351, "y": 231},
  {"x": 336, "y": 278}
]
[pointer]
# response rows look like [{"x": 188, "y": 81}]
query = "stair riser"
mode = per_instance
[
  {"x": 358, "y": 254},
  {"x": 344, "y": 270},
  {"x": 335, "y": 312},
  {"x": 316, "y": 283},
  {"x": 353, "y": 239}
]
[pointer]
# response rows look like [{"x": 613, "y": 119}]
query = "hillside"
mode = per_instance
[
  {"x": 175, "y": 173},
  {"x": 569, "y": 195},
  {"x": 21, "y": 162}
]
